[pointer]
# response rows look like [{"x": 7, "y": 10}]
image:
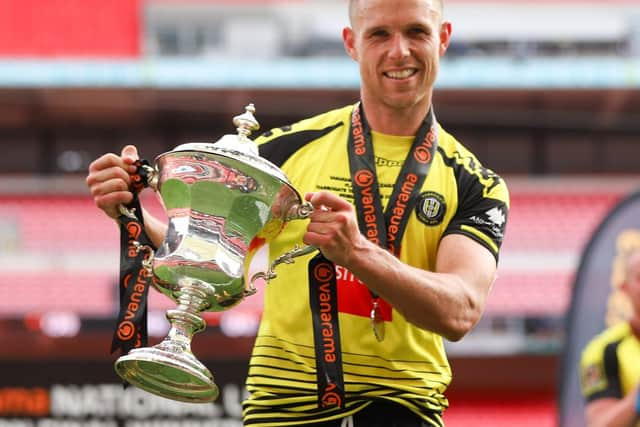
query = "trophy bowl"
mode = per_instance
[{"x": 223, "y": 203}]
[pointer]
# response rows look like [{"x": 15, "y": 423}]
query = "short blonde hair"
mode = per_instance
[{"x": 353, "y": 5}]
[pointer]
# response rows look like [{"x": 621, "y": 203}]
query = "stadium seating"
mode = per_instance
[
  {"x": 45, "y": 233},
  {"x": 501, "y": 411},
  {"x": 506, "y": 412},
  {"x": 555, "y": 221},
  {"x": 85, "y": 293}
]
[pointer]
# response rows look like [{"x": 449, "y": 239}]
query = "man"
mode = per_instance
[
  {"x": 610, "y": 364},
  {"x": 355, "y": 334}
]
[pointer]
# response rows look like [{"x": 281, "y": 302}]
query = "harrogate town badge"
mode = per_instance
[{"x": 431, "y": 208}]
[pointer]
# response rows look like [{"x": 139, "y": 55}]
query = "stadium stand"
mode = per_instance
[
  {"x": 500, "y": 411},
  {"x": 546, "y": 232}
]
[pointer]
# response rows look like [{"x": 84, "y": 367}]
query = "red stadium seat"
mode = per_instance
[{"x": 68, "y": 232}]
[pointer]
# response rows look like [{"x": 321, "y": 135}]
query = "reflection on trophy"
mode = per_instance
[{"x": 223, "y": 202}]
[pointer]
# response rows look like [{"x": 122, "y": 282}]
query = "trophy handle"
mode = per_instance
[
  {"x": 299, "y": 211},
  {"x": 286, "y": 258},
  {"x": 144, "y": 176},
  {"x": 147, "y": 262}
]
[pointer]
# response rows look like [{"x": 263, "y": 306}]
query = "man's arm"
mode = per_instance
[
  {"x": 612, "y": 412},
  {"x": 448, "y": 301},
  {"x": 155, "y": 228}
]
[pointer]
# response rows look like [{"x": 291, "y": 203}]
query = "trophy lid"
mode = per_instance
[{"x": 238, "y": 147}]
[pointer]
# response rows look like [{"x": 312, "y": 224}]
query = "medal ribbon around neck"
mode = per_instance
[{"x": 386, "y": 229}]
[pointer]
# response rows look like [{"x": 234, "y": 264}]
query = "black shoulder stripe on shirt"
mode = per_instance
[
  {"x": 279, "y": 149},
  {"x": 472, "y": 171},
  {"x": 612, "y": 370}
]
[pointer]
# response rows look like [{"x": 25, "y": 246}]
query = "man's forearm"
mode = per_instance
[
  {"x": 439, "y": 302},
  {"x": 156, "y": 229}
]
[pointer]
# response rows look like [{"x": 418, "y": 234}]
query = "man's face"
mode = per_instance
[
  {"x": 632, "y": 282},
  {"x": 398, "y": 44}
]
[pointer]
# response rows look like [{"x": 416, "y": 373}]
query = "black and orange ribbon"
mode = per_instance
[
  {"x": 323, "y": 298},
  {"x": 134, "y": 280},
  {"x": 384, "y": 228}
]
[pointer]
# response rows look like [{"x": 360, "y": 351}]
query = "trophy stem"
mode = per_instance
[
  {"x": 185, "y": 320},
  {"x": 170, "y": 369}
]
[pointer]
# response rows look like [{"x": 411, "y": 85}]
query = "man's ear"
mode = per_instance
[
  {"x": 348, "y": 37},
  {"x": 624, "y": 287},
  {"x": 445, "y": 36}
]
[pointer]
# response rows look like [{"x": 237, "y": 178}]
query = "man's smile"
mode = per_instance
[{"x": 401, "y": 74}]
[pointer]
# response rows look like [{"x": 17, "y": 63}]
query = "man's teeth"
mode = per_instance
[{"x": 400, "y": 74}]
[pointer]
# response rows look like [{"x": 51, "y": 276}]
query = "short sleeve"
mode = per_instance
[{"x": 483, "y": 208}]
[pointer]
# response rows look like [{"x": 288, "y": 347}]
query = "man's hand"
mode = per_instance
[
  {"x": 109, "y": 179},
  {"x": 333, "y": 228}
]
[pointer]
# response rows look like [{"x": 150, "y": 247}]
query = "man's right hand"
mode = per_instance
[{"x": 109, "y": 179}]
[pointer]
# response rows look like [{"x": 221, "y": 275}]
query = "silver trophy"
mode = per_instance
[{"x": 223, "y": 202}]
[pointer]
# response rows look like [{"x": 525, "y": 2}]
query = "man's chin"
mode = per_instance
[{"x": 402, "y": 102}]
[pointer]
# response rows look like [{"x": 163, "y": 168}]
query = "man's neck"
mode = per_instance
[{"x": 393, "y": 121}]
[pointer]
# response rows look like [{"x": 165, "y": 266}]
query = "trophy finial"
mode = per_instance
[{"x": 246, "y": 122}]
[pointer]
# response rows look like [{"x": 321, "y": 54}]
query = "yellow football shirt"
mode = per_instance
[
  {"x": 609, "y": 365},
  {"x": 410, "y": 366}
]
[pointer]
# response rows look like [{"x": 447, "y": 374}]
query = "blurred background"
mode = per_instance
[{"x": 544, "y": 92}]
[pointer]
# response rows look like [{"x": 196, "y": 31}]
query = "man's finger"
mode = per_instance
[
  {"x": 130, "y": 152},
  {"x": 329, "y": 200}
]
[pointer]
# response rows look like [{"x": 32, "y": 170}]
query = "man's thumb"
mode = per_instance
[{"x": 130, "y": 152}]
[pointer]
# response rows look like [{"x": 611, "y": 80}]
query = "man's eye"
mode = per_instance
[{"x": 417, "y": 31}]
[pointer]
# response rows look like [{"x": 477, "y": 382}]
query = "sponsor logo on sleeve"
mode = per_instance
[
  {"x": 493, "y": 220},
  {"x": 593, "y": 378}
]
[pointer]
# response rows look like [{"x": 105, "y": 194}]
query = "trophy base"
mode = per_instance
[{"x": 176, "y": 376}]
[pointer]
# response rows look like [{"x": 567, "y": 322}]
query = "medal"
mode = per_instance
[{"x": 377, "y": 322}]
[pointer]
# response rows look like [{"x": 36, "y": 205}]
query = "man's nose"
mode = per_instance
[{"x": 399, "y": 47}]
